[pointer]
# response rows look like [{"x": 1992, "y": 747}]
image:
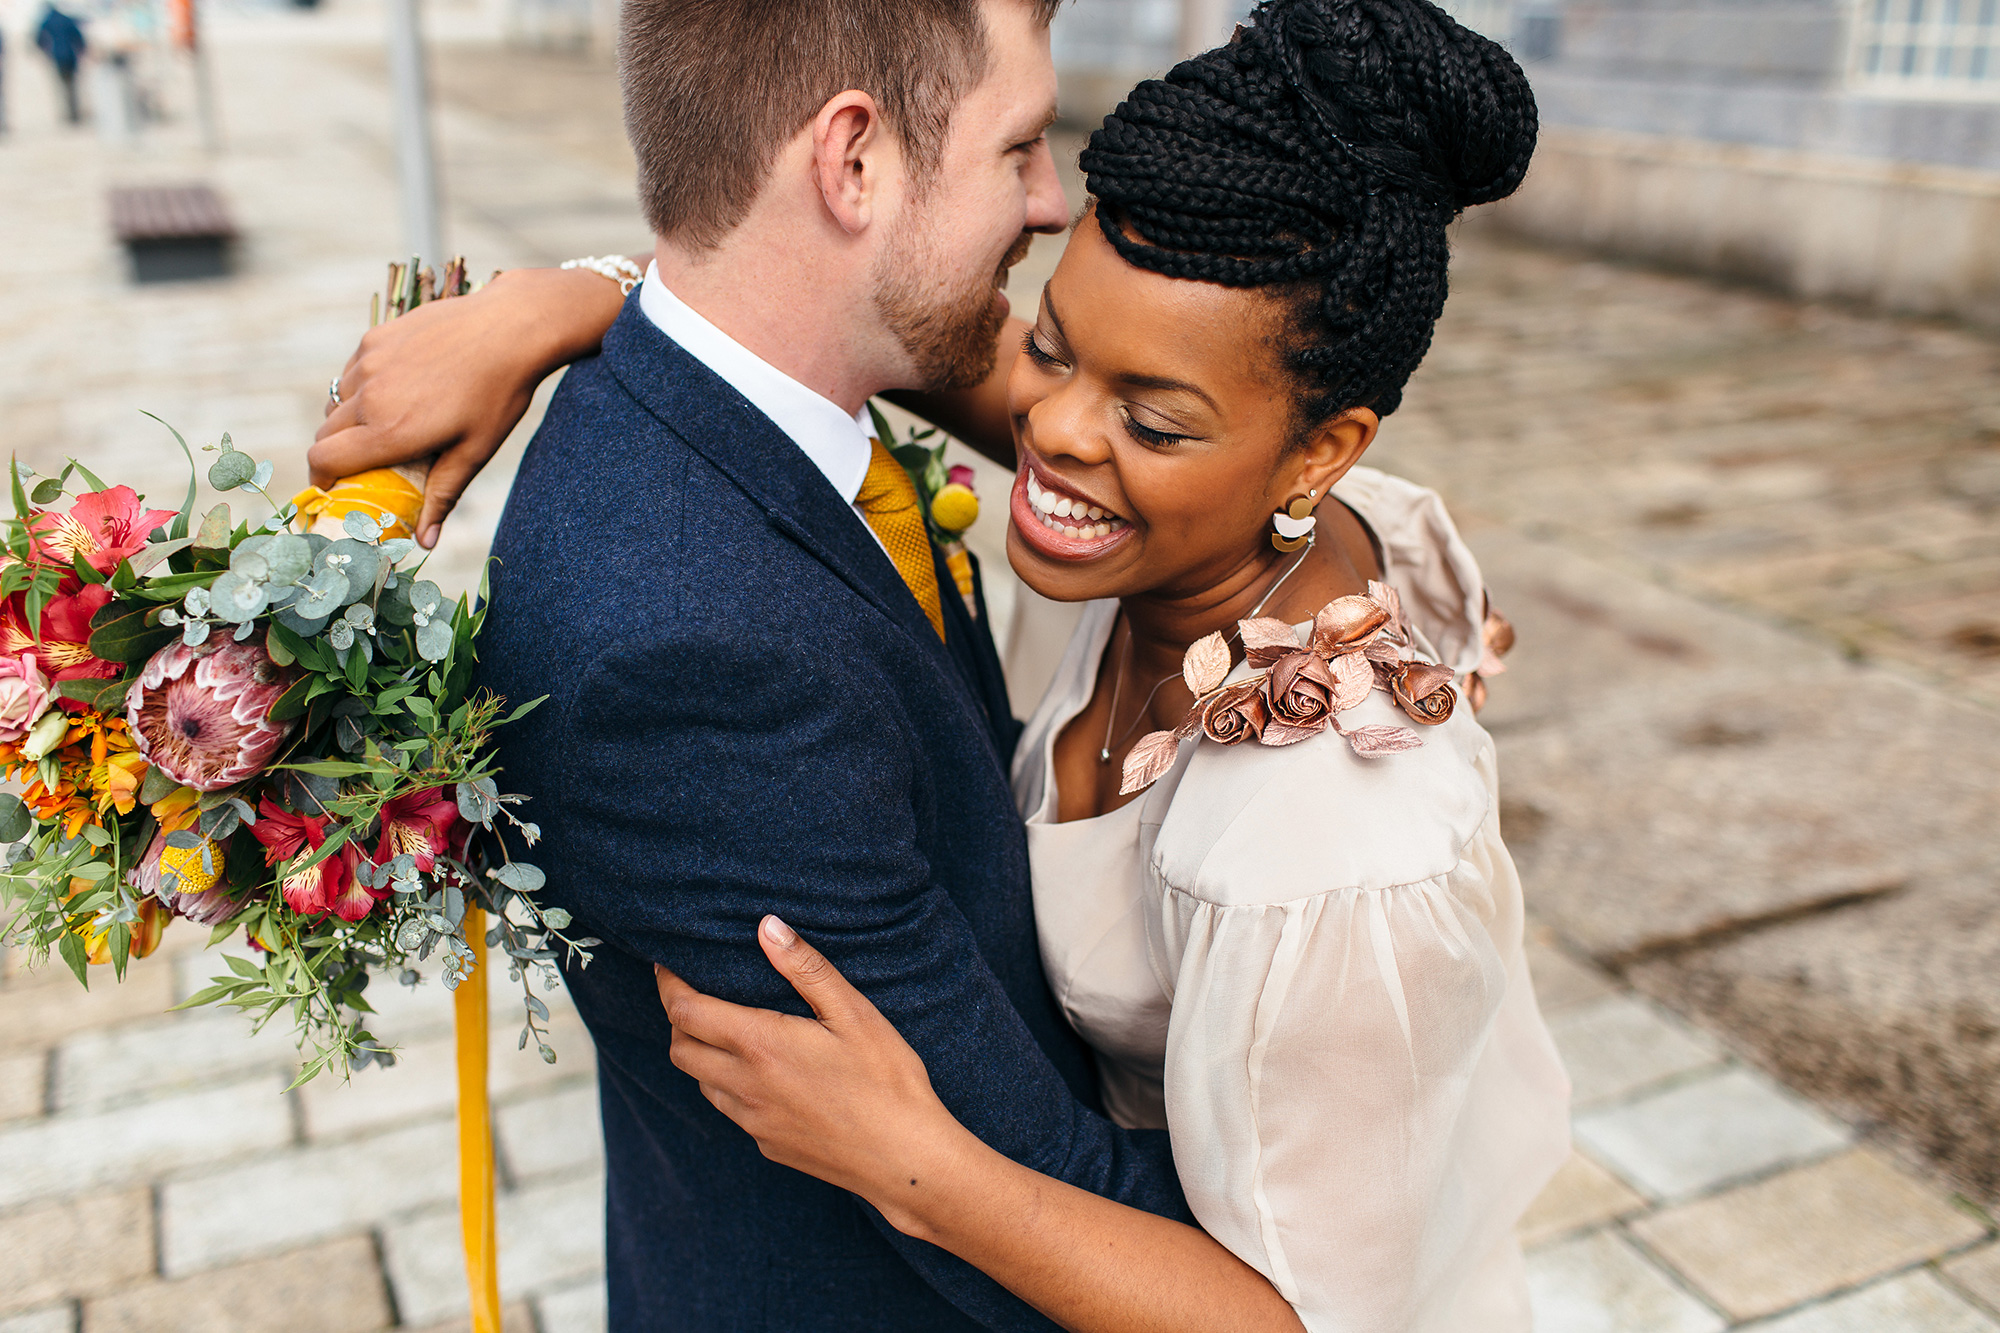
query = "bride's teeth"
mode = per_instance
[
  {"x": 1070, "y": 532},
  {"x": 1095, "y": 512},
  {"x": 1046, "y": 503},
  {"x": 1063, "y": 507}
]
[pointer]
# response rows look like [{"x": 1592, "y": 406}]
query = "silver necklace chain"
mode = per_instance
[{"x": 1125, "y": 660}]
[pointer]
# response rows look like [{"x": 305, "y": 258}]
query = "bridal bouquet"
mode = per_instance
[{"x": 268, "y": 732}]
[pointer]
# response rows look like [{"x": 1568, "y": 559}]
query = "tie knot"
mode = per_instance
[{"x": 886, "y": 489}]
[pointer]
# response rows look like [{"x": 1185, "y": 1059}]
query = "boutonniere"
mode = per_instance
[
  {"x": 949, "y": 502},
  {"x": 1359, "y": 644}
]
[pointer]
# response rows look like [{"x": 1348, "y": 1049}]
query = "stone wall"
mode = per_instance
[{"x": 1728, "y": 137}]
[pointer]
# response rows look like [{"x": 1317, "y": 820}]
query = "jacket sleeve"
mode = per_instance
[{"x": 749, "y": 780}]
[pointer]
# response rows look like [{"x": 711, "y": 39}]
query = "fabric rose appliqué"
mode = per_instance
[{"x": 1359, "y": 644}]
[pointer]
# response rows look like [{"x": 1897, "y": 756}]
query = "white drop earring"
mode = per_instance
[{"x": 1294, "y": 523}]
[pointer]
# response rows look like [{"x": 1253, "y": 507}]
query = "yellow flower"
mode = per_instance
[
  {"x": 954, "y": 508},
  {"x": 185, "y": 864},
  {"x": 146, "y": 931},
  {"x": 177, "y": 810}
]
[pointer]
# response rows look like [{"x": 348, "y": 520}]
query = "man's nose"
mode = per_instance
[{"x": 1048, "y": 210}]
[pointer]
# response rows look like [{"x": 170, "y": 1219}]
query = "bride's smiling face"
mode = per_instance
[{"x": 1155, "y": 428}]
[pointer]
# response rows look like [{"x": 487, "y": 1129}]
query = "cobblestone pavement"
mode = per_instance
[{"x": 153, "y": 1174}]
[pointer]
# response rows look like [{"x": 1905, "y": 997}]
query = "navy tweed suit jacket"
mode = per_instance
[{"x": 748, "y": 713}]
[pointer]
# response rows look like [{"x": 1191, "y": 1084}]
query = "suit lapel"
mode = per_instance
[{"x": 721, "y": 425}]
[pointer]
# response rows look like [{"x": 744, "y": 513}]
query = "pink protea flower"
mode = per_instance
[
  {"x": 200, "y": 715},
  {"x": 102, "y": 526}
]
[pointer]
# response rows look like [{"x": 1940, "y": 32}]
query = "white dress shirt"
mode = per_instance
[{"x": 837, "y": 444}]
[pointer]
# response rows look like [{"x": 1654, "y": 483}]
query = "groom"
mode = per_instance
[{"x": 759, "y": 700}]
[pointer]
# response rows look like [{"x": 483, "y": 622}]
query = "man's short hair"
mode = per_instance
[{"x": 713, "y": 88}]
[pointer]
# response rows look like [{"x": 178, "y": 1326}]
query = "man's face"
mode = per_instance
[{"x": 938, "y": 279}]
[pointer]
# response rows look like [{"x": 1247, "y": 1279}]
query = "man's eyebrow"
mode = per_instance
[{"x": 1164, "y": 383}]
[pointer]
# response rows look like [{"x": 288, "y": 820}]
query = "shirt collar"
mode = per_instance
[{"x": 837, "y": 444}]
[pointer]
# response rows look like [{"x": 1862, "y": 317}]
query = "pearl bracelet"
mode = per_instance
[{"x": 615, "y": 267}]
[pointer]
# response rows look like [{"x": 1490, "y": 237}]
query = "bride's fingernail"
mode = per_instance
[{"x": 779, "y": 933}]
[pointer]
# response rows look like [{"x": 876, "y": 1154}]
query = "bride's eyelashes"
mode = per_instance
[
  {"x": 1146, "y": 435},
  {"x": 1038, "y": 354}
]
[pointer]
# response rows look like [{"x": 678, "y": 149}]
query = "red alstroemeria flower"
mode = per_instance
[
  {"x": 419, "y": 825},
  {"x": 63, "y": 651},
  {"x": 329, "y": 886},
  {"x": 102, "y": 526}
]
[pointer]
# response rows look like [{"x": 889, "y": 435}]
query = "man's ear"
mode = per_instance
[
  {"x": 849, "y": 140},
  {"x": 1333, "y": 447}
]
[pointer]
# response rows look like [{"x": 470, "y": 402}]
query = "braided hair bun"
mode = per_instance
[{"x": 1322, "y": 153}]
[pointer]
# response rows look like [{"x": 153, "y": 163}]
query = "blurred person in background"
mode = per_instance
[{"x": 61, "y": 39}]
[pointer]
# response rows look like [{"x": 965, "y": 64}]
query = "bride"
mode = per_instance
[{"x": 1269, "y": 880}]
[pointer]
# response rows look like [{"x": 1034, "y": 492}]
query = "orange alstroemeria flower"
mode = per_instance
[{"x": 177, "y": 810}]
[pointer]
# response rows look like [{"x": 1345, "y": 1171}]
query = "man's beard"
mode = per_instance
[{"x": 952, "y": 337}]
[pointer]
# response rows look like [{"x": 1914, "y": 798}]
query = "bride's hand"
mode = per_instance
[
  {"x": 840, "y": 1096},
  {"x": 452, "y": 379}
]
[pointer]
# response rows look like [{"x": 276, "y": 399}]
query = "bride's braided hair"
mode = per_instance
[{"x": 1321, "y": 153}]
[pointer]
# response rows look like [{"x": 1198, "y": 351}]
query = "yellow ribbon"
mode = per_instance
[
  {"x": 475, "y": 1136},
  {"x": 384, "y": 492}
]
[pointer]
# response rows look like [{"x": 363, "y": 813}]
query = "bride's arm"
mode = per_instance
[
  {"x": 844, "y": 1098},
  {"x": 452, "y": 379}
]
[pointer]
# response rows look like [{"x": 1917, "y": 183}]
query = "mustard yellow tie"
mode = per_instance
[{"x": 888, "y": 500}]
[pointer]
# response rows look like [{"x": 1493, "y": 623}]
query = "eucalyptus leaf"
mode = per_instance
[
  {"x": 194, "y": 633},
  {"x": 231, "y": 470},
  {"x": 15, "y": 821},
  {"x": 521, "y": 876},
  {"x": 340, "y": 634},
  {"x": 47, "y": 492},
  {"x": 434, "y": 640},
  {"x": 362, "y": 527},
  {"x": 238, "y": 597},
  {"x": 261, "y": 477},
  {"x": 397, "y": 548},
  {"x": 290, "y": 558}
]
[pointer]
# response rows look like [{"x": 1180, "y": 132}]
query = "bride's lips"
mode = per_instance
[{"x": 1055, "y": 521}]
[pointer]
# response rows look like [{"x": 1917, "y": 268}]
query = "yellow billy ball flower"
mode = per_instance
[{"x": 954, "y": 508}]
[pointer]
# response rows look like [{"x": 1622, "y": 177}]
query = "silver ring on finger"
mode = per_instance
[{"x": 333, "y": 391}]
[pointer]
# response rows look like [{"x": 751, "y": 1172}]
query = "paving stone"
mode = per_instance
[
  {"x": 1887, "y": 1008},
  {"x": 1701, "y": 737},
  {"x": 109, "y": 1066},
  {"x": 1978, "y": 1274},
  {"x": 1698, "y": 1135},
  {"x": 326, "y": 1190},
  {"x": 514, "y": 1318},
  {"x": 1618, "y": 1045},
  {"x": 423, "y": 1081},
  {"x": 68, "y": 1154},
  {"x": 1560, "y": 979},
  {"x": 23, "y": 1084},
  {"x": 79, "y": 1247},
  {"x": 45, "y": 1005},
  {"x": 578, "y": 1309},
  {"x": 53, "y": 1319},
  {"x": 557, "y": 1131},
  {"x": 334, "y": 1287},
  {"x": 551, "y": 1235},
  {"x": 1818, "y": 1228},
  {"x": 1582, "y": 1194},
  {"x": 1913, "y": 1303},
  {"x": 1598, "y": 1283}
]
